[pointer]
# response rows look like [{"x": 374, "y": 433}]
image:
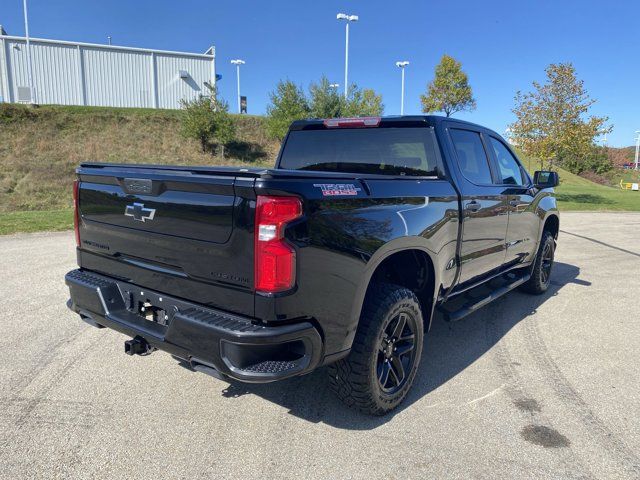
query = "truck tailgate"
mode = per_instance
[
  {"x": 203, "y": 212},
  {"x": 183, "y": 232}
]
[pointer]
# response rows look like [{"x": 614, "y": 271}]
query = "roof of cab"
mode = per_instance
[{"x": 389, "y": 121}]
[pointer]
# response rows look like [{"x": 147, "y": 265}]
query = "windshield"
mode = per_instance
[{"x": 382, "y": 151}]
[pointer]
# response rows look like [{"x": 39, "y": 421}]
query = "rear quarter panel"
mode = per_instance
[{"x": 342, "y": 239}]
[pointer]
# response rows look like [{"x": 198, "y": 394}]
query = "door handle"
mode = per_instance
[{"x": 473, "y": 206}]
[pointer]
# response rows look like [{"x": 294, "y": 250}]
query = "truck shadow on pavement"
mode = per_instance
[{"x": 449, "y": 349}]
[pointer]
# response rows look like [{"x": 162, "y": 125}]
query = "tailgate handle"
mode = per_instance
[{"x": 139, "y": 186}]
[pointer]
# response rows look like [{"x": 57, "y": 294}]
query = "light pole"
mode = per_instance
[
  {"x": 401, "y": 66},
  {"x": 334, "y": 85},
  {"x": 237, "y": 63},
  {"x": 32, "y": 93},
  {"x": 637, "y": 147},
  {"x": 349, "y": 19}
]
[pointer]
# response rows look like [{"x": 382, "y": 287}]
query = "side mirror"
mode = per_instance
[{"x": 546, "y": 179}]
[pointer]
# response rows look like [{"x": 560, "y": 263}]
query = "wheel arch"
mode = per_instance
[
  {"x": 552, "y": 225},
  {"x": 393, "y": 256}
]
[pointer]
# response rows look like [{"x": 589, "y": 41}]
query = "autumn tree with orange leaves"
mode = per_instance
[{"x": 552, "y": 122}]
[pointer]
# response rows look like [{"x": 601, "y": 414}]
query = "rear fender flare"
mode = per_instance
[
  {"x": 546, "y": 207},
  {"x": 390, "y": 248}
]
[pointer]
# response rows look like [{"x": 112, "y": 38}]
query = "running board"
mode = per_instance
[{"x": 473, "y": 303}]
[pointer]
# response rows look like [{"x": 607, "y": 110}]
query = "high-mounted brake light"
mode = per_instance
[
  {"x": 275, "y": 258},
  {"x": 76, "y": 210},
  {"x": 356, "y": 122}
]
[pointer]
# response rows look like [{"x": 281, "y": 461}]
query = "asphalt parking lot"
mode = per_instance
[{"x": 529, "y": 387}]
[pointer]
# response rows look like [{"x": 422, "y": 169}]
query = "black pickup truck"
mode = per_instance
[{"x": 338, "y": 256}]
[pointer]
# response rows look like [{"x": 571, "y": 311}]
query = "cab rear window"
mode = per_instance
[{"x": 382, "y": 151}]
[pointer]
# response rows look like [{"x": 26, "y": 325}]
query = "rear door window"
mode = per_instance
[
  {"x": 510, "y": 170},
  {"x": 472, "y": 157}
]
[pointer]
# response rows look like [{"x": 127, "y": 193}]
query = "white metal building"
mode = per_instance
[{"x": 72, "y": 73}]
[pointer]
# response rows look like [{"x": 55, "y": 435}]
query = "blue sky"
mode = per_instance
[{"x": 502, "y": 45}]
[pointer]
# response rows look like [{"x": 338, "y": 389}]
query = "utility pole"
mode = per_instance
[
  {"x": 402, "y": 65},
  {"x": 637, "y": 147},
  {"x": 32, "y": 92},
  {"x": 237, "y": 63},
  {"x": 349, "y": 19}
]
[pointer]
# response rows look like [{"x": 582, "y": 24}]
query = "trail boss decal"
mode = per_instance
[{"x": 337, "y": 189}]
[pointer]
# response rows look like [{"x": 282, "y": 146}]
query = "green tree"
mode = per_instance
[
  {"x": 449, "y": 91},
  {"x": 325, "y": 101},
  {"x": 224, "y": 125},
  {"x": 595, "y": 159},
  {"x": 552, "y": 123},
  {"x": 198, "y": 121},
  {"x": 206, "y": 118},
  {"x": 288, "y": 103},
  {"x": 362, "y": 103}
]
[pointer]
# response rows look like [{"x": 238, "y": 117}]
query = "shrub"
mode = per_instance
[
  {"x": 288, "y": 103},
  {"x": 206, "y": 118}
]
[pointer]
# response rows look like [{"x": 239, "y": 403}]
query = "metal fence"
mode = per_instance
[{"x": 73, "y": 73}]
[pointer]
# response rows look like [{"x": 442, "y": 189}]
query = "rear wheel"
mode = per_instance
[
  {"x": 384, "y": 358},
  {"x": 542, "y": 266}
]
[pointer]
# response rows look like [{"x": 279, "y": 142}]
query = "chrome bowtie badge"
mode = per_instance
[{"x": 139, "y": 212}]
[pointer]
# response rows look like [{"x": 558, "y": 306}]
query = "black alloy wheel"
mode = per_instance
[
  {"x": 542, "y": 266},
  {"x": 378, "y": 372},
  {"x": 547, "y": 263},
  {"x": 396, "y": 353}
]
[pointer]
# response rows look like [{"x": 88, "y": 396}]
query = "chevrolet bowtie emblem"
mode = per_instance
[{"x": 139, "y": 213}]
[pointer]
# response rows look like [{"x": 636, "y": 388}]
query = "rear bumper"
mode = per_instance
[{"x": 205, "y": 337}]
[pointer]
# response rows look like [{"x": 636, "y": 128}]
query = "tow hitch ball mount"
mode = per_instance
[{"x": 137, "y": 346}]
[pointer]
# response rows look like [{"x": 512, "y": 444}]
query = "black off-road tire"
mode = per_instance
[
  {"x": 542, "y": 266},
  {"x": 357, "y": 379}
]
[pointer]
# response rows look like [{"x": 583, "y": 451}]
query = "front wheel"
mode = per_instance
[
  {"x": 542, "y": 266},
  {"x": 386, "y": 351}
]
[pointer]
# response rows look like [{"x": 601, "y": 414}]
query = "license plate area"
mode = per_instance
[
  {"x": 152, "y": 313},
  {"x": 150, "y": 306}
]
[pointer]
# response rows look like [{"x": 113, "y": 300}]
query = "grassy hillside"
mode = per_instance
[
  {"x": 36, "y": 221},
  {"x": 626, "y": 176},
  {"x": 41, "y": 147},
  {"x": 578, "y": 193}
]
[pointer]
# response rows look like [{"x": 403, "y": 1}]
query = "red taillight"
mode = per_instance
[
  {"x": 356, "y": 122},
  {"x": 275, "y": 266},
  {"x": 76, "y": 211}
]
